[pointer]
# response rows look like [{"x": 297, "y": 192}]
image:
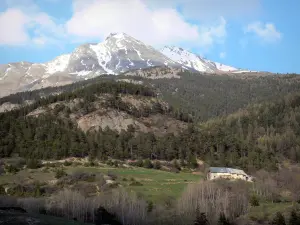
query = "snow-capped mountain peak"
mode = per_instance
[
  {"x": 193, "y": 61},
  {"x": 118, "y": 53},
  {"x": 59, "y": 64}
]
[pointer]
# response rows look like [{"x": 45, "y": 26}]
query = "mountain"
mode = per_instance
[
  {"x": 190, "y": 60},
  {"x": 117, "y": 54}
]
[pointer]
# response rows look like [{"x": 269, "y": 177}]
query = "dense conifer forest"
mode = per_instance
[{"x": 258, "y": 136}]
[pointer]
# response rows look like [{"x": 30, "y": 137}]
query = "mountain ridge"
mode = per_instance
[{"x": 117, "y": 54}]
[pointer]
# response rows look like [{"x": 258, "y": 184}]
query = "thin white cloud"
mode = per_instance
[
  {"x": 93, "y": 20},
  {"x": 222, "y": 55},
  {"x": 12, "y": 27},
  {"x": 23, "y": 23},
  {"x": 267, "y": 32},
  {"x": 96, "y": 19}
]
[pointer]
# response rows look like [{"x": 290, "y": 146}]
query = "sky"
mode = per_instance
[{"x": 261, "y": 35}]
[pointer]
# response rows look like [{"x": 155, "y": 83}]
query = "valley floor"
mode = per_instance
[{"x": 155, "y": 185}]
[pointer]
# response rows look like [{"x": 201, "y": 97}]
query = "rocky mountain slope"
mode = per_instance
[
  {"x": 117, "y": 54},
  {"x": 189, "y": 61}
]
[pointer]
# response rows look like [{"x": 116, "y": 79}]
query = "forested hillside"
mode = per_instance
[
  {"x": 208, "y": 96},
  {"x": 256, "y": 137},
  {"x": 202, "y": 95}
]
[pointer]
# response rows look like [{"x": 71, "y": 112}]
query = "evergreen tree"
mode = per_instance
[
  {"x": 200, "y": 218},
  {"x": 278, "y": 219},
  {"x": 223, "y": 220},
  {"x": 254, "y": 200},
  {"x": 294, "y": 218}
]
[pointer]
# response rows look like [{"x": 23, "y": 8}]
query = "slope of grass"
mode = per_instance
[
  {"x": 267, "y": 211},
  {"x": 155, "y": 185}
]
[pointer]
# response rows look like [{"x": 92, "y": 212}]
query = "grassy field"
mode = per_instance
[
  {"x": 270, "y": 209},
  {"x": 157, "y": 185}
]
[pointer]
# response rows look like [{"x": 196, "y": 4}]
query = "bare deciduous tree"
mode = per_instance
[{"x": 211, "y": 199}]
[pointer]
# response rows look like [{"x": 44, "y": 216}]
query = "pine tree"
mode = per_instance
[
  {"x": 254, "y": 201},
  {"x": 223, "y": 220},
  {"x": 294, "y": 218},
  {"x": 278, "y": 219},
  {"x": 200, "y": 218}
]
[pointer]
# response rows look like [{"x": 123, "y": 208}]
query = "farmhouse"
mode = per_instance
[{"x": 227, "y": 173}]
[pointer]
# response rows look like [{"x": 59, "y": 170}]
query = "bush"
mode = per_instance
[
  {"x": 174, "y": 170},
  {"x": 60, "y": 173},
  {"x": 76, "y": 164},
  {"x": 112, "y": 175},
  {"x": 135, "y": 183},
  {"x": 254, "y": 201},
  {"x": 67, "y": 163},
  {"x": 149, "y": 206},
  {"x": 147, "y": 164},
  {"x": 176, "y": 165},
  {"x": 116, "y": 164},
  {"x": 192, "y": 162},
  {"x": 278, "y": 219},
  {"x": 12, "y": 169},
  {"x": 33, "y": 164},
  {"x": 109, "y": 162},
  {"x": 156, "y": 165},
  {"x": 77, "y": 176},
  {"x": 2, "y": 190},
  {"x": 139, "y": 163}
]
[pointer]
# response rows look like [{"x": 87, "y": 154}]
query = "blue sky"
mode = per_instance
[{"x": 252, "y": 34}]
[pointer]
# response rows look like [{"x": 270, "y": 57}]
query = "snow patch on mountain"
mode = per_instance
[
  {"x": 103, "y": 55},
  {"x": 59, "y": 64},
  {"x": 192, "y": 61},
  {"x": 223, "y": 67},
  {"x": 187, "y": 59},
  {"x": 82, "y": 73}
]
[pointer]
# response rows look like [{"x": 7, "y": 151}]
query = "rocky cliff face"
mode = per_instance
[{"x": 102, "y": 116}]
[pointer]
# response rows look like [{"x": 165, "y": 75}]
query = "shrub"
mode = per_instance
[
  {"x": 116, "y": 164},
  {"x": 149, "y": 206},
  {"x": 176, "y": 165},
  {"x": 1, "y": 170},
  {"x": 294, "y": 218},
  {"x": 192, "y": 163},
  {"x": 147, "y": 164},
  {"x": 109, "y": 162},
  {"x": 174, "y": 170},
  {"x": 278, "y": 219},
  {"x": 11, "y": 169},
  {"x": 67, "y": 163},
  {"x": 2, "y": 190},
  {"x": 77, "y": 176},
  {"x": 76, "y": 164},
  {"x": 201, "y": 219},
  {"x": 33, "y": 164},
  {"x": 112, "y": 175},
  {"x": 254, "y": 201},
  {"x": 60, "y": 173},
  {"x": 139, "y": 163},
  {"x": 156, "y": 165},
  {"x": 135, "y": 183}
]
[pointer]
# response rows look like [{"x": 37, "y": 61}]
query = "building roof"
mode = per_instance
[{"x": 226, "y": 170}]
